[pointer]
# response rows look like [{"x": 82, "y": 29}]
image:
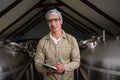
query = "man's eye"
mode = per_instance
[
  {"x": 56, "y": 20},
  {"x": 49, "y": 20}
]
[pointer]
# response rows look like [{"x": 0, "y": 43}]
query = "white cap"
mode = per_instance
[{"x": 54, "y": 11}]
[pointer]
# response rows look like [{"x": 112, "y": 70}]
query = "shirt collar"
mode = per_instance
[{"x": 63, "y": 35}]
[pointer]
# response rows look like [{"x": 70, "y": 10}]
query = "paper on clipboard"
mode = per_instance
[{"x": 47, "y": 66}]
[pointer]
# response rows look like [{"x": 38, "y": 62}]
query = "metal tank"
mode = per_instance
[
  {"x": 12, "y": 60},
  {"x": 101, "y": 60}
]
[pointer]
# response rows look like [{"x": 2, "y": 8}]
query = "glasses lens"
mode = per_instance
[{"x": 51, "y": 20}]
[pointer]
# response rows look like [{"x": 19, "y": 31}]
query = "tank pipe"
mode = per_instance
[
  {"x": 103, "y": 35},
  {"x": 25, "y": 68},
  {"x": 84, "y": 74},
  {"x": 117, "y": 38}
]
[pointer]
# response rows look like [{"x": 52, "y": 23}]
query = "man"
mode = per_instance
[{"x": 58, "y": 49}]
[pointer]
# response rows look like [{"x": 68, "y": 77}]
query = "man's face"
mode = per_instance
[{"x": 54, "y": 22}]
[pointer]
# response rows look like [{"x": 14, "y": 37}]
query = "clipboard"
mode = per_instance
[
  {"x": 49, "y": 66},
  {"x": 46, "y": 65}
]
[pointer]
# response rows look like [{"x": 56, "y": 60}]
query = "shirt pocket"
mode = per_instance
[{"x": 65, "y": 52}]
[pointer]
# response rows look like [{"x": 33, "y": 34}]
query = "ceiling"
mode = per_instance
[{"x": 88, "y": 17}]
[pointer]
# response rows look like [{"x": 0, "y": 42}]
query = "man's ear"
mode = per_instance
[{"x": 61, "y": 22}]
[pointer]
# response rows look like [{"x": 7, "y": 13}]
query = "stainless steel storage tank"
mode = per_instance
[
  {"x": 102, "y": 62},
  {"x": 12, "y": 60}
]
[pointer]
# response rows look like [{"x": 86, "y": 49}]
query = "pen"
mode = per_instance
[{"x": 59, "y": 59}]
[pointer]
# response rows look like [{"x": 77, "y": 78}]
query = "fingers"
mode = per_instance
[
  {"x": 50, "y": 71},
  {"x": 60, "y": 67}
]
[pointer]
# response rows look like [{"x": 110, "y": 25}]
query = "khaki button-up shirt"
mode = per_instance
[{"x": 48, "y": 52}]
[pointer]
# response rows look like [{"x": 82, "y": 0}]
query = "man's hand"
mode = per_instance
[{"x": 60, "y": 67}]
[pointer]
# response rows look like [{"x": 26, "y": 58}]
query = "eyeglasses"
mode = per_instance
[{"x": 51, "y": 20}]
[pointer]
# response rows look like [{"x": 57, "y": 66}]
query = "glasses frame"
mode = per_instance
[{"x": 53, "y": 20}]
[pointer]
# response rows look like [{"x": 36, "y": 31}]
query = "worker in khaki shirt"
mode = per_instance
[{"x": 58, "y": 49}]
